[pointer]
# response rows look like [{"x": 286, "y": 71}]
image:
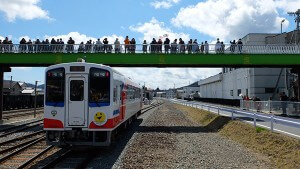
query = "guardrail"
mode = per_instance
[
  {"x": 150, "y": 48},
  {"x": 274, "y": 107},
  {"x": 254, "y": 115}
]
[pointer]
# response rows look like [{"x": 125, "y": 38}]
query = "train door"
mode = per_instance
[{"x": 77, "y": 100}]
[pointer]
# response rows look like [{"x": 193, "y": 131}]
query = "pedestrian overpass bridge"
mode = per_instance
[
  {"x": 153, "y": 56},
  {"x": 32, "y": 55}
]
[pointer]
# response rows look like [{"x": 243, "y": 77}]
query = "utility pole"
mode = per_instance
[
  {"x": 10, "y": 85},
  {"x": 297, "y": 20},
  {"x": 35, "y": 93},
  {"x": 281, "y": 25}
]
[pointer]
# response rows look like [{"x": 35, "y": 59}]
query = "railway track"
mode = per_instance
[
  {"x": 151, "y": 107},
  {"x": 23, "y": 151},
  {"x": 21, "y": 110},
  {"x": 21, "y": 114},
  {"x": 22, "y": 156},
  {"x": 18, "y": 128},
  {"x": 72, "y": 159}
]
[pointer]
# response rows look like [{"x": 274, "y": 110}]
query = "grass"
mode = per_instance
[
  {"x": 199, "y": 116},
  {"x": 281, "y": 150},
  {"x": 260, "y": 129}
]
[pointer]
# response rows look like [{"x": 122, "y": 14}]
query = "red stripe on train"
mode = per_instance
[
  {"x": 52, "y": 123},
  {"x": 111, "y": 123}
]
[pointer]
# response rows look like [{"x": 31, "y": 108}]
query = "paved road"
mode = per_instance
[{"x": 291, "y": 131}]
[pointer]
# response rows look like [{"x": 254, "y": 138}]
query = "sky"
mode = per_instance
[{"x": 142, "y": 19}]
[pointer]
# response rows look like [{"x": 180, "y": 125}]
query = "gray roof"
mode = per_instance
[
  {"x": 6, "y": 84},
  {"x": 194, "y": 85}
]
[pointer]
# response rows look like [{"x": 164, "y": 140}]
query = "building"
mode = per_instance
[
  {"x": 161, "y": 94},
  {"x": 171, "y": 93},
  {"x": 11, "y": 88},
  {"x": 233, "y": 83},
  {"x": 30, "y": 91},
  {"x": 190, "y": 90}
]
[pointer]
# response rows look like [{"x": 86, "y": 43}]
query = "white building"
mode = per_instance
[
  {"x": 190, "y": 90},
  {"x": 233, "y": 83},
  {"x": 171, "y": 93}
]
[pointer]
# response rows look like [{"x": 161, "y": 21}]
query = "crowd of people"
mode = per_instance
[{"x": 129, "y": 46}]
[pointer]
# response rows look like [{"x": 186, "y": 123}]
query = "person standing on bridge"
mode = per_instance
[
  {"x": 195, "y": 47},
  {"x": 181, "y": 46},
  {"x": 232, "y": 46},
  {"x": 202, "y": 47},
  {"x": 167, "y": 45},
  {"x": 127, "y": 43},
  {"x": 145, "y": 46},
  {"x": 105, "y": 42},
  {"x": 132, "y": 45},
  {"x": 218, "y": 46},
  {"x": 1, "y": 46},
  {"x": 159, "y": 46},
  {"x": 153, "y": 46},
  {"x": 240, "y": 46},
  {"x": 117, "y": 46},
  {"x": 174, "y": 46},
  {"x": 70, "y": 46},
  {"x": 206, "y": 47}
]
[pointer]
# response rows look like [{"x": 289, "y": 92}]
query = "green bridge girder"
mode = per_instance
[{"x": 153, "y": 60}]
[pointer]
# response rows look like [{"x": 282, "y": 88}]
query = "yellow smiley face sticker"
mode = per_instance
[{"x": 100, "y": 118}]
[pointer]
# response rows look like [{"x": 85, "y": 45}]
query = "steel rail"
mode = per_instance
[
  {"x": 24, "y": 124},
  {"x": 20, "y": 150},
  {"x": 20, "y": 138}
]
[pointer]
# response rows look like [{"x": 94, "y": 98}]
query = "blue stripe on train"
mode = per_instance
[
  {"x": 93, "y": 104},
  {"x": 55, "y": 104}
]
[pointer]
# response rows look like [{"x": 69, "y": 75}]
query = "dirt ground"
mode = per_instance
[{"x": 283, "y": 151}]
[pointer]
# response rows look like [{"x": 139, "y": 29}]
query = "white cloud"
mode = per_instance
[
  {"x": 288, "y": 5},
  {"x": 156, "y": 29},
  {"x": 23, "y": 9},
  {"x": 1, "y": 38},
  {"x": 23, "y": 68},
  {"x": 164, "y": 3},
  {"x": 231, "y": 19},
  {"x": 78, "y": 37},
  {"x": 165, "y": 78}
]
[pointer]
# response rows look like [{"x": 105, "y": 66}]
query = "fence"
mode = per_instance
[
  {"x": 273, "y": 107},
  {"x": 150, "y": 48},
  {"x": 254, "y": 115}
]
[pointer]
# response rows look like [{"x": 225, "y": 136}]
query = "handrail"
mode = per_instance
[
  {"x": 255, "y": 115},
  {"x": 151, "y": 48}
]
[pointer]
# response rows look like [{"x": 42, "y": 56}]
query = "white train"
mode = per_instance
[{"x": 85, "y": 103}]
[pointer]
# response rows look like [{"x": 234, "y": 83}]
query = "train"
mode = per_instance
[
  {"x": 86, "y": 104},
  {"x": 21, "y": 101}
]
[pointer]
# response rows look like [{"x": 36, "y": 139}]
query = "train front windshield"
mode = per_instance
[
  {"x": 99, "y": 87},
  {"x": 55, "y": 86}
]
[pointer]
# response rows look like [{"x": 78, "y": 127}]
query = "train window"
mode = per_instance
[
  {"x": 99, "y": 86},
  {"x": 115, "y": 94},
  {"x": 55, "y": 85},
  {"x": 76, "y": 90}
]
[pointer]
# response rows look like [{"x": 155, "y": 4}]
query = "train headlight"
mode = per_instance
[{"x": 54, "y": 112}]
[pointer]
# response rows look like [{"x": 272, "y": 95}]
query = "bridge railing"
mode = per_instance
[{"x": 148, "y": 48}]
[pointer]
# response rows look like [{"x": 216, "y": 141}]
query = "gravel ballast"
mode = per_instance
[{"x": 168, "y": 139}]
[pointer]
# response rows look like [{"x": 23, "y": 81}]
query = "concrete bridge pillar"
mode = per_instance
[{"x": 2, "y": 70}]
